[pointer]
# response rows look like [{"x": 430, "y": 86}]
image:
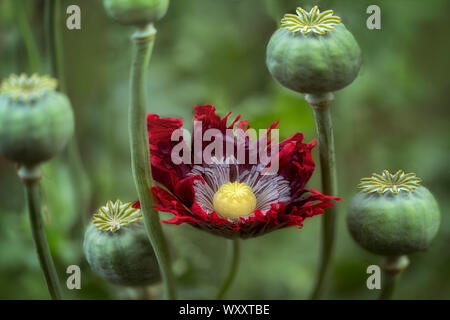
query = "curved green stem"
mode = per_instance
[
  {"x": 143, "y": 41},
  {"x": 321, "y": 106},
  {"x": 20, "y": 11},
  {"x": 30, "y": 177},
  {"x": 49, "y": 19},
  {"x": 55, "y": 41},
  {"x": 232, "y": 271},
  {"x": 392, "y": 268}
]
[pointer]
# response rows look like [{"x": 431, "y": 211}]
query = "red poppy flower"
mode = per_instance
[{"x": 226, "y": 196}]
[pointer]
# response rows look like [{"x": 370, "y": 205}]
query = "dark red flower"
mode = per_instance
[{"x": 226, "y": 195}]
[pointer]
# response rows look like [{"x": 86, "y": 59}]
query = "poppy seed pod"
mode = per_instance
[
  {"x": 117, "y": 248},
  {"x": 313, "y": 52},
  {"x": 136, "y": 12},
  {"x": 393, "y": 214},
  {"x": 36, "y": 122}
]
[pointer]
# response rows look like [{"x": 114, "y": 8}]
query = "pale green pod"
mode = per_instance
[
  {"x": 36, "y": 122},
  {"x": 117, "y": 247},
  {"x": 313, "y": 52},
  {"x": 393, "y": 215},
  {"x": 136, "y": 12}
]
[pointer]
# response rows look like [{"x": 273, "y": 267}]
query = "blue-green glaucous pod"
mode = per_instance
[
  {"x": 313, "y": 52},
  {"x": 117, "y": 248},
  {"x": 393, "y": 214},
  {"x": 36, "y": 121},
  {"x": 136, "y": 12}
]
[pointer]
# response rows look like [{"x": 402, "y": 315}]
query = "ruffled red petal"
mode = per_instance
[
  {"x": 210, "y": 120},
  {"x": 160, "y": 132},
  {"x": 295, "y": 161}
]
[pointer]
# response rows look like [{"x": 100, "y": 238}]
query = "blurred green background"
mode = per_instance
[{"x": 394, "y": 116}]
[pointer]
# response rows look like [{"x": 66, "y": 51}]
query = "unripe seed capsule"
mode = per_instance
[
  {"x": 36, "y": 122},
  {"x": 393, "y": 215},
  {"x": 312, "y": 52},
  {"x": 117, "y": 248},
  {"x": 136, "y": 12}
]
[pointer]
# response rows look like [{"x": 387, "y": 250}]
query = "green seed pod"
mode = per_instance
[
  {"x": 36, "y": 122},
  {"x": 393, "y": 214},
  {"x": 117, "y": 248},
  {"x": 136, "y": 12},
  {"x": 313, "y": 52}
]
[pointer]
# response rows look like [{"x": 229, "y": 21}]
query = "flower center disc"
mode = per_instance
[{"x": 234, "y": 200}]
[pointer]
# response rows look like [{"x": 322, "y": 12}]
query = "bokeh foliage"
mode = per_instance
[{"x": 394, "y": 116}]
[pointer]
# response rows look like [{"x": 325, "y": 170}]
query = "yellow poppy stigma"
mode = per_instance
[{"x": 234, "y": 200}]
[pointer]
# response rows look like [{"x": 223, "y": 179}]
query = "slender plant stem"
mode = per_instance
[
  {"x": 58, "y": 46},
  {"x": 143, "y": 41},
  {"x": 232, "y": 271},
  {"x": 31, "y": 177},
  {"x": 21, "y": 14},
  {"x": 55, "y": 45},
  {"x": 55, "y": 51},
  {"x": 49, "y": 19},
  {"x": 388, "y": 287},
  {"x": 392, "y": 268},
  {"x": 321, "y": 106}
]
